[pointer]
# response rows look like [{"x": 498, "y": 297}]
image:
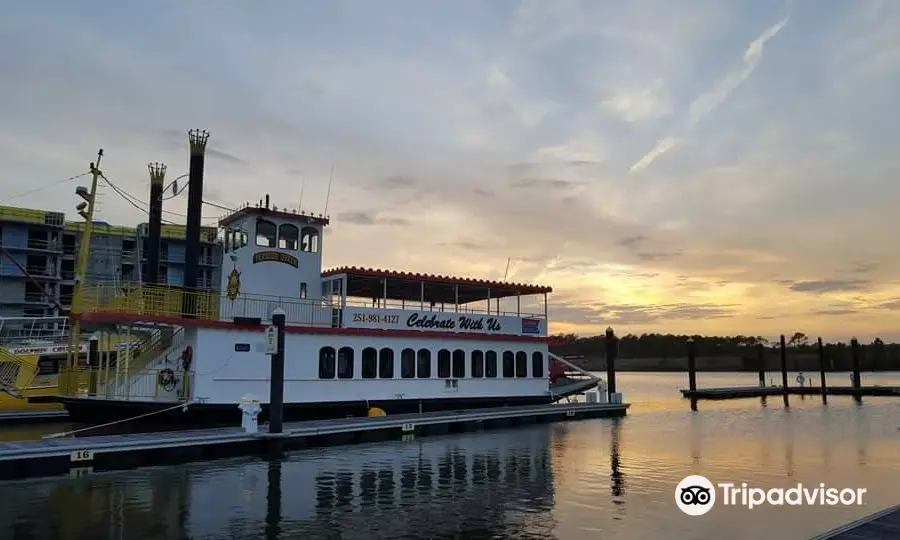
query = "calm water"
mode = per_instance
[{"x": 594, "y": 479}]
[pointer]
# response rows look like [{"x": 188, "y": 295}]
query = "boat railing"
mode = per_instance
[
  {"x": 446, "y": 308},
  {"x": 34, "y": 328},
  {"x": 164, "y": 385},
  {"x": 161, "y": 301}
]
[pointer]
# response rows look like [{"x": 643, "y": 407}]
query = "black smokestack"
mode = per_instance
[
  {"x": 157, "y": 178},
  {"x": 197, "y": 139}
]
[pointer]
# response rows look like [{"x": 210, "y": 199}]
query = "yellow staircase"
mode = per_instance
[
  {"x": 152, "y": 344},
  {"x": 156, "y": 343},
  {"x": 11, "y": 368}
]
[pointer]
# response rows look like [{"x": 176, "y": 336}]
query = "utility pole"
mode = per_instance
[{"x": 85, "y": 210}]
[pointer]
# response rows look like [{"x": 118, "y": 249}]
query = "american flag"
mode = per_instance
[{"x": 531, "y": 326}]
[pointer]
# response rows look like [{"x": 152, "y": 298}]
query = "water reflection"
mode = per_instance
[
  {"x": 610, "y": 479},
  {"x": 475, "y": 486}
]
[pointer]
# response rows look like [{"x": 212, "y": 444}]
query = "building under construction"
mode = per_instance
[{"x": 38, "y": 259}]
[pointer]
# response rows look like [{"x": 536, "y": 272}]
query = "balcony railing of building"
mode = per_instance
[
  {"x": 36, "y": 298},
  {"x": 42, "y": 271},
  {"x": 21, "y": 243},
  {"x": 161, "y": 301}
]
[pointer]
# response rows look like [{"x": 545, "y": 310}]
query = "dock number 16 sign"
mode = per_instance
[{"x": 271, "y": 340}]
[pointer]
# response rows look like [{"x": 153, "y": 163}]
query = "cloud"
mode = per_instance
[
  {"x": 709, "y": 101},
  {"x": 649, "y": 103},
  {"x": 465, "y": 135},
  {"x": 370, "y": 218},
  {"x": 828, "y": 285}
]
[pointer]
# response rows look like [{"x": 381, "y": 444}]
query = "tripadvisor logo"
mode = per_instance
[{"x": 696, "y": 495}]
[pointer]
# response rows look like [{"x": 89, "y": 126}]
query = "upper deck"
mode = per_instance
[
  {"x": 353, "y": 298},
  {"x": 385, "y": 299}
]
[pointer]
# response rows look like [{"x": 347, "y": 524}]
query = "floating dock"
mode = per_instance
[
  {"x": 32, "y": 417},
  {"x": 82, "y": 455},
  {"x": 775, "y": 391},
  {"x": 884, "y": 525}
]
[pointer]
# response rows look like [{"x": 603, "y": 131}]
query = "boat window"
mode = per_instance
[
  {"x": 386, "y": 363},
  {"x": 302, "y": 289},
  {"x": 537, "y": 365},
  {"x": 423, "y": 364},
  {"x": 369, "y": 363},
  {"x": 521, "y": 364},
  {"x": 509, "y": 364},
  {"x": 309, "y": 239},
  {"x": 326, "y": 363},
  {"x": 288, "y": 236},
  {"x": 48, "y": 365},
  {"x": 265, "y": 233},
  {"x": 490, "y": 364},
  {"x": 477, "y": 368},
  {"x": 345, "y": 363},
  {"x": 408, "y": 364},
  {"x": 459, "y": 364},
  {"x": 443, "y": 362}
]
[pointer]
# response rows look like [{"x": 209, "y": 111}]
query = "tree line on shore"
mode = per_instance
[{"x": 876, "y": 355}]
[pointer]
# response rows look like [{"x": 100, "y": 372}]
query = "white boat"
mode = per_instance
[{"x": 356, "y": 338}]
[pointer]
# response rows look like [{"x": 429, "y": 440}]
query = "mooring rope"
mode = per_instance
[{"x": 67, "y": 433}]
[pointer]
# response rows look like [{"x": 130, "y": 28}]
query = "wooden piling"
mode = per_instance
[
  {"x": 822, "y": 371},
  {"x": 761, "y": 363},
  {"x": 612, "y": 350},
  {"x": 692, "y": 364},
  {"x": 784, "y": 378}
]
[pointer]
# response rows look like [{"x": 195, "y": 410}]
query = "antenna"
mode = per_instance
[
  {"x": 505, "y": 274},
  {"x": 302, "y": 189},
  {"x": 328, "y": 195}
]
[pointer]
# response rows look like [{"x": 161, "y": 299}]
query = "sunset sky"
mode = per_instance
[{"x": 668, "y": 166}]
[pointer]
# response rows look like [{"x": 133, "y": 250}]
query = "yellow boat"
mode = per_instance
[{"x": 33, "y": 350}]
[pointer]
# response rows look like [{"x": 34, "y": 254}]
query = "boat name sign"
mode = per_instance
[
  {"x": 431, "y": 321},
  {"x": 52, "y": 349}
]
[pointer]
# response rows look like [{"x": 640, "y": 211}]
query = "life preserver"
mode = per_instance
[
  {"x": 166, "y": 379},
  {"x": 187, "y": 356}
]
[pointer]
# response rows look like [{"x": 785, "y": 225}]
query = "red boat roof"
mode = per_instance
[
  {"x": 368, "y": 283},
  {"x": 268, "y": 212}
]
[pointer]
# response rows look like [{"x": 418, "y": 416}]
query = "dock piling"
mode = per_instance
[
  {"x": 692, "y": 364},
  {"x": 276, "y": 388},
  {"x": 822, "y": 371},
  {"x": 761, "y": 363},
  {"x": 784, "y": 378},
  {"x": 94, "y": 362},
  {"x": 612, "y": 350},
  {"x": 854, "y": 359},
  {"x": 692, "y": 370}
]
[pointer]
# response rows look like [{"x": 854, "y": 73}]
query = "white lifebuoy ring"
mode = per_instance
[{"x": 801, "y": 379}]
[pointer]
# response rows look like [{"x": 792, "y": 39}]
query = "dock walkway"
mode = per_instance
[
  {"x": 32, "y": 417},
  {"x": 884, "y": 525},
  {"x": 76, "y": 455},
  {"x": 739, "y": 392}
]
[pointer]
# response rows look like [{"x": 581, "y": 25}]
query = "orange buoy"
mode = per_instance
[{"x": 375, "y": 411}]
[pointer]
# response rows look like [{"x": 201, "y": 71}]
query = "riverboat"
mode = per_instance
[{"x": 357, "y": 339}]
